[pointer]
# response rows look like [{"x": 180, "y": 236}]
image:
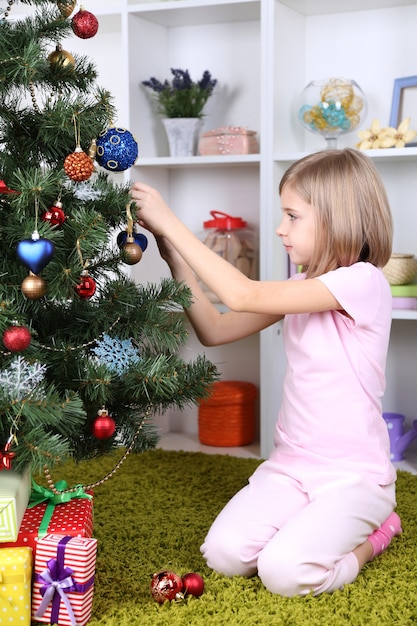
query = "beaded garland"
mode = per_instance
[{"x": 53, "y": 487}]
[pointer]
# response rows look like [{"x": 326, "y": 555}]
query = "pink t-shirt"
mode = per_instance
[{"x": 330, "y": 421}]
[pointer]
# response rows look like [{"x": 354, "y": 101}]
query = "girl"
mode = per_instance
[{"x": 312, "y": 514}]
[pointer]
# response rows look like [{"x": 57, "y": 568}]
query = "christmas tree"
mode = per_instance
[{"x": 87, "y": 356}]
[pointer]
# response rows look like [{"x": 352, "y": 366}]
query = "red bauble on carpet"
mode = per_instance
[
  {"x": 165, "y": 586},
  {"x": 193, "y": 584}
]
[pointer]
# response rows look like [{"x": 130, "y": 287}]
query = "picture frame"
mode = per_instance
[{"x": 404, "y": 101}]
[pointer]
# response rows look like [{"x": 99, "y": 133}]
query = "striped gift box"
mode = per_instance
[
  {"x": 63, "y": 585},
  {"x": 14, "y": 496}
]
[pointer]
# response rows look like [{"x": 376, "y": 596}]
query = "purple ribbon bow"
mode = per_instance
[{"x": 58, "y": 582}]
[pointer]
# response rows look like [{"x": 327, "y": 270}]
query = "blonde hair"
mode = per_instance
[{"x": 352, "y": 214}]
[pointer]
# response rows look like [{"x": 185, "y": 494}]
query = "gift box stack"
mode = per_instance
[{"x": 47, "y": 552}]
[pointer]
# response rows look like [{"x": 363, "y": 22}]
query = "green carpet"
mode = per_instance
[{"x": 153, "y": 515}]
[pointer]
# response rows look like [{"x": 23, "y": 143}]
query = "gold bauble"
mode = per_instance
[
  {"x": 66, "y": 7},
  {"x": 132, "y": 253},
  {"x": 61, "y": 57},
  {"x": 33, "y": 287}
]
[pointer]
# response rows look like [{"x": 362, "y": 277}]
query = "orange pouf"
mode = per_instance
[{"x": 227, "y": 417}]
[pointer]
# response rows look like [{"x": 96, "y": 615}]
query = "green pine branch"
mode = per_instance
[{"x": 43, "y": 108}]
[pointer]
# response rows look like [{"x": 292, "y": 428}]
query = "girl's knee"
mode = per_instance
[
  {"x": 279, "y": 580},
  {"x": 227, "y": 556},
  {"x": 285, "y": 576}
]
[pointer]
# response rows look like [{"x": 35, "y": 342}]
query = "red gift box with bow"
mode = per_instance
[
  {"x": 63, "y": 584},
  {"x": 67, "y": 513}
]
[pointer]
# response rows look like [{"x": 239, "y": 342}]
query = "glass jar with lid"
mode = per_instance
[{"x": 232, "y": 239}]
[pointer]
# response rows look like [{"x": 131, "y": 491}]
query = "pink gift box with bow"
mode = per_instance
[{"x": 63, "y": 584}]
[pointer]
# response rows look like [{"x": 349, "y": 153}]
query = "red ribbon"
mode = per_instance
[
  {"x": 6, "y": 457},
  {"x": 5, "y": 189}
]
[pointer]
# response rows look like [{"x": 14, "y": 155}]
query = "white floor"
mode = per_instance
[{"x": 190, "y": 443}]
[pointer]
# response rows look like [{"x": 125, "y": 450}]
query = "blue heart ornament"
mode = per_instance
[
  {"x": 138, "y": 238},
  {"x": 35, "y": 254}
]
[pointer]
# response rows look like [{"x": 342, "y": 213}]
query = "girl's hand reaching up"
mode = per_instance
[
  {"x": 180, "y": 243},
  {"x": 152, "y": 211}
]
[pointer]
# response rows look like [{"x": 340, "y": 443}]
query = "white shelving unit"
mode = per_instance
[
  {"x": 224, "y": 38},
  {"x": 321, "y": 39},
  {"x": 263, "y": 53}
]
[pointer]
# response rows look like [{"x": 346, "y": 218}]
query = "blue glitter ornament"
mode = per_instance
[{"x": 117, "y": 149}]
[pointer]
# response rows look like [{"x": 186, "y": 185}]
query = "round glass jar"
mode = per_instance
[
  {"x": 232, "y": 239},
  {"x": 332, "y": 107}
]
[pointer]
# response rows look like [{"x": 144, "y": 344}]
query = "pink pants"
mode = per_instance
[{"x": 297, "y": 542}]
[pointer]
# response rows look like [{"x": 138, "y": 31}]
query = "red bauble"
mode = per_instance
[
  {"x": 103, "y": 426},
  {"x": 193, "y": 584},
  {"x": 166, "y": 585},
  {"x": 54, "y": 215},
  {"x": 86, "y": 288},
  {"x": 84, "y": 24},
  {"x": 16, "y": 338}
]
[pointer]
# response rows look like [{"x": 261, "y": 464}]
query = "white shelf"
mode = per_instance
[
  {"x": 190, "y": 443},
  {"x": 321, "y": 7},
  {"x": 199, "y": 161},
  {"x": 392, "y": 155},
  {"x": 197, "y": 12},
  {"x": 404, "y": 314},
  {"x": 388, "y": 155}
]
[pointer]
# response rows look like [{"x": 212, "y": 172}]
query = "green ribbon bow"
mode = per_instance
[{"x": 41, "y": 494}]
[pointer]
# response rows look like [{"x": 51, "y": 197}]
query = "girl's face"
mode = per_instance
[{"x": 297, "y": 228}]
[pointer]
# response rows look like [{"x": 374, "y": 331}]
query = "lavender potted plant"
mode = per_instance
[{"x": 181, "y": 102}]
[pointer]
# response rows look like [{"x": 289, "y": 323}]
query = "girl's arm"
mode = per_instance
[
  {"x": 212, "y": 327},
  {"x": 238, "y": 292}
]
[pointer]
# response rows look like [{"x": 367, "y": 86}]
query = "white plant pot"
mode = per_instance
[{"x": 182, "y": 133}]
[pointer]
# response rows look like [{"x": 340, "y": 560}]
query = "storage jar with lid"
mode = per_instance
[{"x": 232, "y": 239}]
